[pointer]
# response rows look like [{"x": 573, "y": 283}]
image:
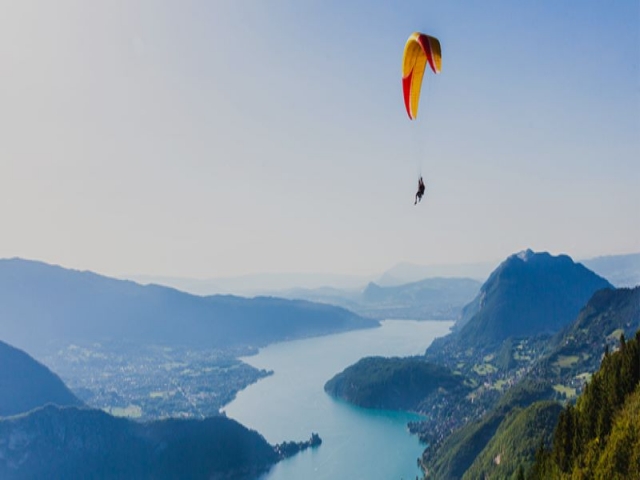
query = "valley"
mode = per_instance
[
  {"x": 536, "y": 331},
  {"x": 153, "y": 382},
  {"x": 292, "y": 240}
]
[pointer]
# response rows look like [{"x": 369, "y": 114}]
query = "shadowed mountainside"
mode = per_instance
[
  {"x": 56, "y": 442},
  {"x": 26, "y": 384},
  {"x": 528, "y": 294}
]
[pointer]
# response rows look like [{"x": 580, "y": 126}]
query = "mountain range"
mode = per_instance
[
  {"x": 621, "y": 270},
  {"x": 277, "y": 283},
  {"x": 533, "y": 333},
  {"x": 405, "y": 291},
  {"x": 42, "y": 304}
]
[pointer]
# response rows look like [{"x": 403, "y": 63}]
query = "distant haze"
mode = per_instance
[
  {"x": 273, "y": 283},
  {"x": 215, "y": 139},
  {"x": 620, "y": 270}
]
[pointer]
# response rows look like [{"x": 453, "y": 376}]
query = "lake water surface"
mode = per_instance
[{"x": 290, "y": 404}]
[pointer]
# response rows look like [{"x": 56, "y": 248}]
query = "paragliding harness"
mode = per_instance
[{"x": 420, "y": 192}]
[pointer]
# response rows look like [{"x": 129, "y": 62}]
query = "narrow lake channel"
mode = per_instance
[{"x": 291, "y": 404}]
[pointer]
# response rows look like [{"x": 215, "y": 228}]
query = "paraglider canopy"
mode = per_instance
[{"x": 419, "y": 50}]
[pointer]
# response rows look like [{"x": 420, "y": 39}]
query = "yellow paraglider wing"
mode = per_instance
[{"x": 419, "y": 50}]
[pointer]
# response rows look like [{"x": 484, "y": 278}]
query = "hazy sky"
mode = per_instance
[{"x": 207, "y": 138}]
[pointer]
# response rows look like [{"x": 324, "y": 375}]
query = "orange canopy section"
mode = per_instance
[{"x": 419, "y": 50}]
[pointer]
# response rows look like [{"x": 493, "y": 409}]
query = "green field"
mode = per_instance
[
  {"x": 499, "y": 385},
  {"x": 568, "y": 391},
  {"x": 131, "y": 411},
  {"x": 484, "y": 369},
  {"x": 521, "y": 357},
  {"x": 585, "y": 377},
  {"x": 566, "y": 361},
  {"x": 162, "y": 394}
]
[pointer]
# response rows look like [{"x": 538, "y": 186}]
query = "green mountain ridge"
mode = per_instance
[
  {"x": 515, "y": 442},
  {"x": 452, "y": 457},
  {"x": 599, "y": 437}
]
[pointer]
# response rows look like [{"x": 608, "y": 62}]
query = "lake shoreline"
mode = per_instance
[{"x": 291, "y": 404}]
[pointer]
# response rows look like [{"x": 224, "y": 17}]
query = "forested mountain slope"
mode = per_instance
[
  {"x": 599, "y": 437},
  {"x": 55, "y": 442},
  {"x": 568, "y": 361}
]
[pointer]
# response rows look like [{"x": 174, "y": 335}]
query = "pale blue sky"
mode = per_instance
[{"x": 202, "y": 138}]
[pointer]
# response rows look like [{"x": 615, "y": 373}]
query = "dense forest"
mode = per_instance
[
  {"x": 71, "y": 442},
  {"x": 393, "y": 383},
  {"x": 515, "y": 442},
  {"x": 599, "y": 437}
]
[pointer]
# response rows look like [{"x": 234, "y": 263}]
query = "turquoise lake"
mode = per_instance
[{"x": 291, "y": 404}]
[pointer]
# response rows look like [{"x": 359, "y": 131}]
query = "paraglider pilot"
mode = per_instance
[{"x": 420, "y": 191}]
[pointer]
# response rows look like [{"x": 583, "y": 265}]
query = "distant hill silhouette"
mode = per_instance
[
  {"x": 255, "y": 284},
  {"x": 431, "y": 298},
  {"x": 26, "y": 384},
  {"x": 40, "y": 303},
  {"x": 55, "y": 442},
  {"x": 407, "y": 272},
  {"x": 528, "y": 294},
  {"x": 620, "y": 270}
]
